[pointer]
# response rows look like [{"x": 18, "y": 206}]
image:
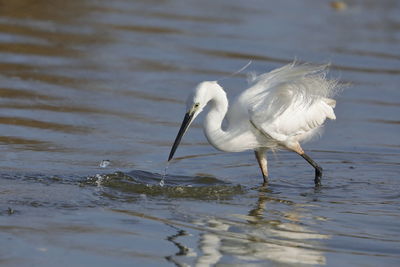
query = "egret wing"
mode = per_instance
[
  {"x": 299, "y": 119},
  {"x": 290, "y": 100}
]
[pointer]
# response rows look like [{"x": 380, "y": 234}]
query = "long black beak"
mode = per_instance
[{"x": 185, "y": 124}]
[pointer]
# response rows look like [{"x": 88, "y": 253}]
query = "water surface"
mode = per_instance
[{"x": 87, "y": 81}]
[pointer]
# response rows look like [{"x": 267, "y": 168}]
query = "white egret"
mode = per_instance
[{"x": 281, "y": 109}]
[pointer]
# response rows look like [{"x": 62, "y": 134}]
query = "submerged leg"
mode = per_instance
[
  {"x": 262, "y": 162},
  {"x": 318, "y": 169}
]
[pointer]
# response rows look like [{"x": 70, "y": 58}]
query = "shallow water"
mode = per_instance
[{"x": 92, "y": 94}]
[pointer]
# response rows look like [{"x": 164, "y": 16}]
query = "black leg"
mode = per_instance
[
  {"x": 318, "y": 169},
  {"x": 262, "y": 162}
]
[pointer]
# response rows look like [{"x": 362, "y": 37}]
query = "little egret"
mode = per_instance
[{"x": 280, "y": 109}]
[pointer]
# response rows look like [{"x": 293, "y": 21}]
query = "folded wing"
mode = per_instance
[{"x": 290, "y": 101}]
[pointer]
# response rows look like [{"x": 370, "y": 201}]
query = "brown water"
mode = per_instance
[{"x": 86, "y": 81}]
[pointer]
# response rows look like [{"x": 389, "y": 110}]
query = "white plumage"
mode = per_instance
[{"x": 280, "y": 109}]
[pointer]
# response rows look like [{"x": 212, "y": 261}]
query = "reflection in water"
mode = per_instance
[
  {"x": 183, "y": 251},
  {"x": 82, "y": 81},
  {"x": 257, "y": 236},
  {"x": 254, "y": 238},
  {"x": 23, "y": 94},
  {"x": 237, "y": 55},
  {"x": 42, "y": 125}
]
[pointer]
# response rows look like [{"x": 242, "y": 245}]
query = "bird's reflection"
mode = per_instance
[
  {"x": 259, "y": 237},
  {"x": 258, "y": 212}
]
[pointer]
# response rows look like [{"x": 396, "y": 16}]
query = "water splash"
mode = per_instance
[
  {"x": 104, "y": 163},
  {"x": 164, "y": 175},
  {"x": 139, "y": 184},
  {"x": 99, "y": 179}
]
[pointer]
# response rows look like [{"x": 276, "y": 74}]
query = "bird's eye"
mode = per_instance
[{"x": 196, "y": 105}]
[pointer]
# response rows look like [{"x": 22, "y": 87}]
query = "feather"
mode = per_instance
[{"x": 290, "y": 101}]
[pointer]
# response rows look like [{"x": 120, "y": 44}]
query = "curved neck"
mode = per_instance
[{"x": 217, "y": 137}]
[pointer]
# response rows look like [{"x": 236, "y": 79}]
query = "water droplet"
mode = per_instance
[
  {"x": 99, "y": 180},
  {"x": 165, "y": 171},
  {"x": 162, "y": 182},
  {"x": 104, "y": 163}
]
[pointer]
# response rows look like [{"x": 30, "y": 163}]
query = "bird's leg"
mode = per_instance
[
  {"x": 262, "y": 162},
  {"x": 318, "y": 169}
]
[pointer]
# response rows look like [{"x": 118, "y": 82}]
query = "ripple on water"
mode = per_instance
[{"x": 135, "y": 184}]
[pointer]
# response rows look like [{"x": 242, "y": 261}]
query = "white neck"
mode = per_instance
[{"x": 217, "y": 137}]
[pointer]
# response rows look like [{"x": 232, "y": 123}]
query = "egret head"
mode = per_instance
[{"x": 195, "y": 104}]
